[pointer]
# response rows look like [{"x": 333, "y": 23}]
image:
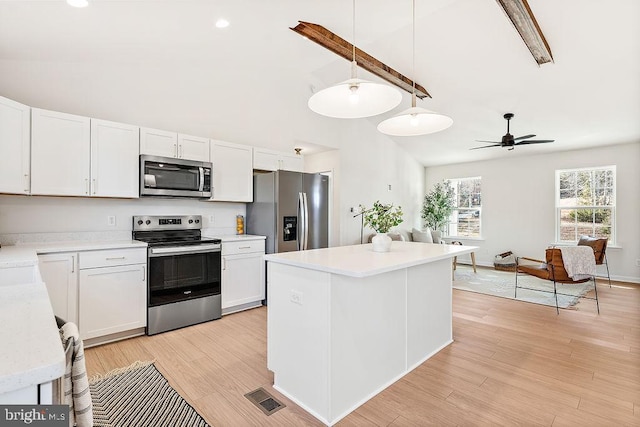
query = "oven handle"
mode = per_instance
[{"x": 181, "y": 250}]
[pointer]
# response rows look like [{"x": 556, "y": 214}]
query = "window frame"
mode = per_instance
[
  {"x": 559, "y": 208},
  {"x": 455, "y": 214}
]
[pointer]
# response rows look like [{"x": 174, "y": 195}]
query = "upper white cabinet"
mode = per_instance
[
  {"x": 59, "y": 153},
  {"x": 171, "y": 144},
  {"x": 114, "y": 159},
  {"x": 232, "y": 172},
  {"x": 193, "y": 148},
  {"x": 15, "y": 146},
  {"x": 271, "y": 160}
]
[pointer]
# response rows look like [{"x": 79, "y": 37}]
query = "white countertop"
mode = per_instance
[
  {"x": 361, "y": 261},
  {"x": 237, "y": 237},
  {"x": 17, "y": 256},
  {"x": 31, "y": 352}
]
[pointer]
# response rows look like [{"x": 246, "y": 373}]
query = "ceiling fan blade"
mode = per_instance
[
  {"x": 523, "y": 137},
  {"x": 493, "y": 142},
  {"x": 534, "y": 141},
  {"x": 486, "y": 146}
]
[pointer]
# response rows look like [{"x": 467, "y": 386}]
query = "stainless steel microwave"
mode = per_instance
[{"x": 170, "y": 177}]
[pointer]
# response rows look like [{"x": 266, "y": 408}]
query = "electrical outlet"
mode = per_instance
[
  {"x": 638, "y": 263},
  {"x": 111, "y": 221},
  {"x": 296, "y": 297},
  {"x": 212, "y": 219}
]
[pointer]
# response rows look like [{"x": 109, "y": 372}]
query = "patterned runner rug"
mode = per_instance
[
  {"x": 139, "y": 396},
  {"x": 502, "y": 284}
]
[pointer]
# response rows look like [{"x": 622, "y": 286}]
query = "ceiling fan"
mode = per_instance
[{"x": 509, "y": 141}]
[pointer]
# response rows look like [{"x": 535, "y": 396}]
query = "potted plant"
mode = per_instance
[
  {"x": 437, "y": 207},
  {"x": 381, "y": 218}
]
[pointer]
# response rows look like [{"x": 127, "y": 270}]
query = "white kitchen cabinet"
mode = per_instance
[
  {"x": 264, "y": 159},
  {"x": 15, "y": 145},
  {"x": 60, "y": 151},
  {"x": 112, "y": 294},
  {"x": 243, "y": 269},
  {"x": 193, "y": 148},
  {"x": 60, "y": 274},
  {"x": 172, "y": 144},
  {"x": 114, "y": 159},
  {"x": 232, "y": 172}
]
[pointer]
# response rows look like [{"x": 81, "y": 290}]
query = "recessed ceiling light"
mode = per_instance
[
  {"x": 222, "y": 23},
  {"x": 78, "y": 3}
]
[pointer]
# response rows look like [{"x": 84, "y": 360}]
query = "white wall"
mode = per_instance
[
  {"x": 22, "y": 216},
  {"x": 518, "y": 202}
]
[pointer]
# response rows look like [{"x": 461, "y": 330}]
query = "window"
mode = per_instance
[
  {"x": 585, "y": 203},
  {"x": 465, "y": 219}
]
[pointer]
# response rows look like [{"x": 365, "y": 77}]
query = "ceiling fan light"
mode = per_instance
[
  {"x": 415, "y": 121},
  {"x": 370, "y": 99}
]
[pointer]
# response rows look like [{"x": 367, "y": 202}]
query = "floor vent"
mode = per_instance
[{"x": 263, "y": 400}]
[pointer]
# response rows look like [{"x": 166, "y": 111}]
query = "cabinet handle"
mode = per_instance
[
  {"x": 86, "y": 183},
  {"x": 73, "y": 263},
  {"x": 94, "y": 186},
  {"x": 181, "y": 148},
  {"x": 244, "y": 247},
  {"x": 224, "y": 263},
  {"x": 175, "y": 149},
  {"x": 114, "y": 258},
  {"x": 26, "y": 182},
  {"x": 144, "y": 273}
]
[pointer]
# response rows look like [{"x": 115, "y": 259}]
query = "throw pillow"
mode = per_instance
[{"x": 422, "y": 236}]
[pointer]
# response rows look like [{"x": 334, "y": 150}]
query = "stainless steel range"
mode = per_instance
[{"x": 184, "y": 271}]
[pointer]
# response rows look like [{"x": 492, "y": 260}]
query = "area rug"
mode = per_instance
[
  {"x": 139, "y": 396},
  {"x": 502, "y": 284}
]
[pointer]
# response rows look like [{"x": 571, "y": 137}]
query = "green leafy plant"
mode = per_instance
[
  {"x": 438, "y": 205},
  {"x": 382, "y": 217}
]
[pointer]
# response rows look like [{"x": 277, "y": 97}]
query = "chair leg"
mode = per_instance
[
  {"x": 595, "y": 288},
  {"x": 606, "y": 262},
  {"x": 556, "y": 295},
  {"x": 515, "y": 293}
]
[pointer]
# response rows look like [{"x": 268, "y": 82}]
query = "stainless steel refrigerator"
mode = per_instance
[{"x": 291, "y": 209}]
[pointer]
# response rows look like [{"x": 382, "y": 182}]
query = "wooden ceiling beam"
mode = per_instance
[
  {"x": 522, "y": 18},
  {"x": 341, "y": 47}
]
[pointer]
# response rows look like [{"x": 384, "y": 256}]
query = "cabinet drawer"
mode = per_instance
[
  {"x": 111, "y": 257},
  {"x": 242, "y": 247}
]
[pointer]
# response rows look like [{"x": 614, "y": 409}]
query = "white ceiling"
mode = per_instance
[{"x": 468, "y": 56}]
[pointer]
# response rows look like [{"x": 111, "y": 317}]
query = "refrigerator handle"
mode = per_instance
[
  {"x": 306, "y": 221},
  {"x": 300, "y": 242}
]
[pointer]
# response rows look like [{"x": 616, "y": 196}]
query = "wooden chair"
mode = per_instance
[
  {"x": 551, "y": 269},
  {"x": 599, "y": 250}
]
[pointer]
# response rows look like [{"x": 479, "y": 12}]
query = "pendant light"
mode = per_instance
[
  {"x": 415, "y": 120},
  {"x": 355, "y": 98}
]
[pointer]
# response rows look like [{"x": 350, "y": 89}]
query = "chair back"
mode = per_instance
[
  {"x": 599, "y": 247},
  {"x": 555, "y": 265}
]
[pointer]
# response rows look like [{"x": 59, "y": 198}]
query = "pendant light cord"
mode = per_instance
[
  {"x": 354, "y": 63},
  {"x": 413, "y": 65}
]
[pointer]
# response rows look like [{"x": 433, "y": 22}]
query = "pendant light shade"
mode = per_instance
[
  {"x": 355, "y": 98},
  {"x": 415, "y": 120}
]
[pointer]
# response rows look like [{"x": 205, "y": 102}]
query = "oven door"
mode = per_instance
[{"x": 181, "y": 273}]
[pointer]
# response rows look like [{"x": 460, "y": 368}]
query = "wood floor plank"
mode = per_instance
[{"x": 511, "y": 363}]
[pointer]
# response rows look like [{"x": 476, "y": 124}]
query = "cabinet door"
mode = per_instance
[
  {"x": 114, "y": 159},
  {"x": 242, "y": 279},
  {"x": 267, "y": 160},
  {"x": 193, "y": 148},
  {"x": 158, "y": 142},
  {"x": 15, "y": 143},
  {"x": 59, "y": 153},
  {"x": 292, "y": 162},
  {"x": 112, "y": 299},
  {"x": 232, "y": 172},
  {"x": 60, "y": 275}
]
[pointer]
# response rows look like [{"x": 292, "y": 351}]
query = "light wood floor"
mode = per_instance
[{"x": 511, "y": 363}]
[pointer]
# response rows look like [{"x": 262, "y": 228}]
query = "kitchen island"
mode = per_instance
[{"x": 346, "y": 322}]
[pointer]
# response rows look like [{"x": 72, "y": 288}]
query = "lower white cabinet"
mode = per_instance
[
  {"x": 59, "y": 272},
  {"x": 243, "y": 282},
  {"x": 112, "y": 294}
]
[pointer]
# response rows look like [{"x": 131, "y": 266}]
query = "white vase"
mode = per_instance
[
  {"x": 436, "y": 235},
  {"x": 381, "y": 242}
]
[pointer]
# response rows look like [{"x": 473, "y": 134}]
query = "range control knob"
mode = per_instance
[
  {"x": 147, "y": 222},
  {"x": 197, "y": 221},
  {"x": 190, "y": 221},
  {"x": 139, "y": 222}
]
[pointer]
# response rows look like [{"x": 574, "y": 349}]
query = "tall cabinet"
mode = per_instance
[{"x": 15, "y": 142}]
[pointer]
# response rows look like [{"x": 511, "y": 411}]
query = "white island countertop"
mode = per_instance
[
  {"x": 362, "y": 261},
  {"x": 31, "y": 351}
]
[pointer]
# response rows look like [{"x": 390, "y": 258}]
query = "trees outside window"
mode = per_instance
[
  {"x": 467, "y": 215},
  {"x": 585, "y": 203}
]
